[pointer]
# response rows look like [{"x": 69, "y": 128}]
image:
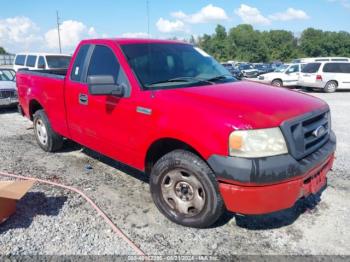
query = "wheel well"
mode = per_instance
[
  {"x": 333, "y": 81},
  {"x": 277, "y": 79},
  {"x": 33, "y": 107},
  {"x": 163, "y": 146}
]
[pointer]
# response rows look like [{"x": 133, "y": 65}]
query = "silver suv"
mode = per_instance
[{"x": 8, "y": 89}]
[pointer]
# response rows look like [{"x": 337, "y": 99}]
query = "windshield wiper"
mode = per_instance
[
  {"x": 219, "y": 77},
  {"x": 187, "y": 79}
]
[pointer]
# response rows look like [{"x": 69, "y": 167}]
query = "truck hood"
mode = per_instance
[
  {"x": 244, "y": 105},
  {"x": 6, "y": 85}
]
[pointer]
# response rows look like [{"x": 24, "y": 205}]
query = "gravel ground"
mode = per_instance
[{"x": 54, "y": 221}]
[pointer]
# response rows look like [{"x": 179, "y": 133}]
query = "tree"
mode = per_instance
[
  {"x": 243, "y": 43},
  {"x": 311, "y": 43},
  {"x": 249, "y": 43},
  {"x": 219, "y": 43},
  {"x": 281, "y": 44},
  {"x": 192, "y": 40},
  {"x": 204, "y": 42},
  {"x": 2, "y": 51}
]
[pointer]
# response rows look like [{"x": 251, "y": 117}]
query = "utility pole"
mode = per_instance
[
  {"x": 59, "y": 32},
  {"x": 148, "y": 17}
]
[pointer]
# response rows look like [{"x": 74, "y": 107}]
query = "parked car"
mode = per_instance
[
  {"x": 8, "y": 89},
  {"x": 248, "y": 70},
  {"x": 263, "y": 68},
  {"x": 233, "y": 70},
  {"x": 280, "y": 68},
  {"x": 206, "y": 141},
  {"x": 287, "y": 77},
  {"x": 37, "y": 61},
  {"x": 277, "y": 64},
  {"x": 328, "y": 76},
  {"x": 270, "y": 68}
]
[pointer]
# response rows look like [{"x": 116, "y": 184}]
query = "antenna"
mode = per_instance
[
  {"x": 148, "y": 17},
  {"x": 59, "y": 31}
]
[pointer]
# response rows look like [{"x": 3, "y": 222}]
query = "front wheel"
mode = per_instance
[
  {"x": 277, "y": 83},
  {"x": 47, "y": 139},
  {"x": 185, "y": 190}
]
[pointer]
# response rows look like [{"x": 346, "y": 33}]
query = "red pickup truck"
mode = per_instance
[{"x": 207, "y": 141}]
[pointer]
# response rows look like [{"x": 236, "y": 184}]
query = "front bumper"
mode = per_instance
[
  {"x": 254, "y": 75},
  {"x": 265, "y": 185},
  {"x": 8, "y": 101}
]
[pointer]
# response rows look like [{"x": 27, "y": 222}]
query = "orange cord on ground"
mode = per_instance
[{"x": 117, "y": 230}]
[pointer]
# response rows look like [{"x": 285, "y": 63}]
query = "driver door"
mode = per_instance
[
  {"x": 292, "y": 75},
  {"x": 101, "y": 122}
]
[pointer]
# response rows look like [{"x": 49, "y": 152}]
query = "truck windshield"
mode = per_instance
[
  {"x": 54, "y": 61},
  {"x": 161, "y": 66}
]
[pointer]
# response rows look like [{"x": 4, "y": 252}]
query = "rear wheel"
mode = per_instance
[
  {"x": 277, "y": 83},
  {"x": 331, "y": 87},
  {"x": 47, "y": 139},
  {"x": 185, "y": 190}
]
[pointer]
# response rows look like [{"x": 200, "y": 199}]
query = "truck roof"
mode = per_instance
[{"x": 123, "y": 41}]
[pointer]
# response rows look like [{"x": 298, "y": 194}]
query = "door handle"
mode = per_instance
[{"x": 83, "y": 99}]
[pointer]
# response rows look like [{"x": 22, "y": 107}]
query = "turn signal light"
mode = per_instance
[{"x": 236, "y": 142}]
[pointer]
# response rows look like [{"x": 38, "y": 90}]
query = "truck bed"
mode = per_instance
[
  {"x": 58, "y": 73},
  {"x": 44, "y": 88}
]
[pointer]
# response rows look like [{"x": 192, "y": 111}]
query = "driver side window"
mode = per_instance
[{"x": 104, "y": 62}]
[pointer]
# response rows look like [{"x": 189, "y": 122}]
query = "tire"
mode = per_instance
[
  {"x": 277, "y": 83},
  {"x": 330, "y": 87},
  {"x": 47, "y": 139},
  {"x": 185, "y": 190}
]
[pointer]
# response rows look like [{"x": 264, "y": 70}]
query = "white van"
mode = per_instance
[
  {"x": 321, "y": 59},
  {"x": 41, "y": 61},
  {"x": 328, "y": 76}
]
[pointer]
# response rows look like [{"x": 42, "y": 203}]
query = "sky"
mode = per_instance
[{"x": 30, "y": 25}]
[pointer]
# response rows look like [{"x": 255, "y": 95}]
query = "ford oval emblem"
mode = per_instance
[{"x": 320, "y": 131}]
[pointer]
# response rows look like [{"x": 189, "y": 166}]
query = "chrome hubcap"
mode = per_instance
[
  {"x": 332, "y": 86},
  {"x": 41, "y": 131},
  {"x": 183, "y": 192}
]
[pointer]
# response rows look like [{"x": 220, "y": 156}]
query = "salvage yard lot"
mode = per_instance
[{"x": 55, "y": 221}]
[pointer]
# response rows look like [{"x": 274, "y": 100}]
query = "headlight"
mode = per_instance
[{"x": 257, "y": 143}]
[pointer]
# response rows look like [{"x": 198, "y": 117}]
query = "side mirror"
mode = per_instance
[{"x": 104, "y": 85}]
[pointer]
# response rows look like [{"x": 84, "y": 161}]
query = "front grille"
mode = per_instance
[
  {"x": 307, "y": 133},
  {"x": 8, "y": 94}
]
